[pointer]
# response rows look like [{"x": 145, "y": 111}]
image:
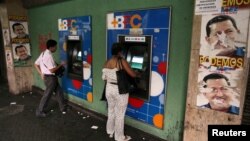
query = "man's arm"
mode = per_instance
[
  {"x": 39, "y": 70},
  {"x": 53, "y": 70}
]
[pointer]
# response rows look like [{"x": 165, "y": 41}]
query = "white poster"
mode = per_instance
[
  {"x": 223, "y": 48},
  {"x": 6, "y": 37}
]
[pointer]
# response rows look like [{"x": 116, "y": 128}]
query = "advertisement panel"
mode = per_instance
[
  {"x": 76, "y": 50},
  {"x": 145, "y": 35}
]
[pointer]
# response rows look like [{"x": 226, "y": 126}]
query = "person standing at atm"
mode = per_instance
[
  {"x": 46, "y": 67},
  {"x": 117, "y": 103}
]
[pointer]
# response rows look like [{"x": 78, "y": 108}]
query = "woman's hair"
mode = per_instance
[{"x": 116, "y": 48}]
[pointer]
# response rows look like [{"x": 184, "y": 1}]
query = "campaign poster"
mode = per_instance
[
  {"x": 21, "y": 54},
  {"x": 223, "y": 40},
  {"x": 20, "y": 41}
]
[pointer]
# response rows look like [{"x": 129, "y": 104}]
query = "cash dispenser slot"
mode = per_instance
[{"x": 74, "y": 57}]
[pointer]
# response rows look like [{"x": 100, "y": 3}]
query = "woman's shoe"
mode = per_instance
[
  {"x": 111, "y": 135},
  {"x": 127, "y": 138}
]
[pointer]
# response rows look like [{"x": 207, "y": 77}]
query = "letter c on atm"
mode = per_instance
[{"x": 136, "y": 16}]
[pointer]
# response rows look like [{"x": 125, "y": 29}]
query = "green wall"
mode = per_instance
[{"x": 43, "y": 20}]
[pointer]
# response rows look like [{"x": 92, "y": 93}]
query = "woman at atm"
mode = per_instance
[{"x": 117, "y": 103}]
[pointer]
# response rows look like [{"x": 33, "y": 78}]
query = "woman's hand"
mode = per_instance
[{"x": 128, "y": 69}]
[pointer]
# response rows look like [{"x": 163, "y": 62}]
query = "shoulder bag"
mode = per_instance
[
  {"x": 103, "y": 98},
  {"x": 122, "y": 78}
]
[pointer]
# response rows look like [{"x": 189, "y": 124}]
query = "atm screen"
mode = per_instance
[
  {"x": 137, "y": 62},
  {"x": 79, "y": 56}
]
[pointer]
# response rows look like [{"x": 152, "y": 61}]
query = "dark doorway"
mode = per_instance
[
  {"x": 246, "y": 107},
  {"x": 3, "y": 70}
]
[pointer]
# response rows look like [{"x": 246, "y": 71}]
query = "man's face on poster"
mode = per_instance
[
  {"x": 222, "y": 35},
  {"x": 219, "y": 94},
  {"x": 19, "y": 30},
  {"x": 22, "y": 53}
]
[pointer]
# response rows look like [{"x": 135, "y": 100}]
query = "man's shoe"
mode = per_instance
[
  {"x": 40, "y": 114},
  {"x": 65, "y": 109}
]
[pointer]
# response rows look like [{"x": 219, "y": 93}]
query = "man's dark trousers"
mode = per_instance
[{"x": 52, "y": 85}]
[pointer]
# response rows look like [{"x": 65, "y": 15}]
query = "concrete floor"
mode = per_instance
[{"x": 19, "y": 123}]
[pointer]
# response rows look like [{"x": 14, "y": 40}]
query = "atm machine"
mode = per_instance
[
  {"x": 74, "y": 57},
  {"x": 137, "y": 51}
]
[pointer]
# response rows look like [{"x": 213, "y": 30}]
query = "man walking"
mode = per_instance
[{"x": 46, "y": 67}]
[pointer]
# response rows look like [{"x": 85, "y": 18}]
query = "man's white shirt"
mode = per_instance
[{"x": 46, "y": 62}]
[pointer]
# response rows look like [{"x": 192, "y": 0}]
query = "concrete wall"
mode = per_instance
[
  {"x": 19, "y": 78},
  {"x": 43, "y": 23}
]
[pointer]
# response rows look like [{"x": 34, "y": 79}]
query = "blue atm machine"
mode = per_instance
[{"x": 137, "y": 51}]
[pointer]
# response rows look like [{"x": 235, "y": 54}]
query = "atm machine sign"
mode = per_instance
[
  {"x": 135, "y": 39},
  {"x": 74, "y": 37},
  {"x": 62, "y": 25},
  {"x": 66, "y": 24},
  {"x": 124, "y": 21}
]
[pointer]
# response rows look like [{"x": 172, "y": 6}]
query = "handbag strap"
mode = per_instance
[
  {"x": 119, "y": 62},
  {"x": 44, "y": 64},
  {"x": 42, "y": 61}
]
